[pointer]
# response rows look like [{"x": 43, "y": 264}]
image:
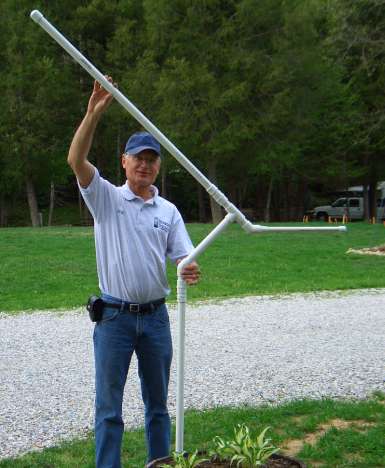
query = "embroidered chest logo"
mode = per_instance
[{"x": 160, "y": 224}]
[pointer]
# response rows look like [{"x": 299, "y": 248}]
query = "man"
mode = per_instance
[{"x": 135, "y": 230}]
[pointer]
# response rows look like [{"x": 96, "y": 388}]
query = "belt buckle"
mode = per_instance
[{"x": 135, "y": 308}]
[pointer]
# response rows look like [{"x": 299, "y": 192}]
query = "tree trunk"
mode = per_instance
[
  {"x": 201, "y": 204},
  {"x": 87, "y": 219},
  {"x": 373, "y": 181},
  {"x": 241, "y": 193},
  {"x": 163, "y": 176},
  {"x": 32, "y": 203},
  {"x": 80, "y": 204},
  {"x": 286, "y": 215},
  {"x": 216, "y": 210},
  {"x": 366, "y": 163},
  {"x": 366, "y": 201},
  {"x": 3, "y": 212},
  {"x": 51, "y": 203},
  {"x": 118, "y": 159},
  {"x": 268, "y": 201},
  {"x": 372, "y": 200},
  {"x": 233, "y": 191}
]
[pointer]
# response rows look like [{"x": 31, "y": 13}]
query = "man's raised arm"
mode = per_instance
[{"x": 82, "y": 140}]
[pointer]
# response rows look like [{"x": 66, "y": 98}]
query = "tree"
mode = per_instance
[
  {"x": 36, "y": 92},
  {"x": 359, "y": 44},
  {"x": 258, "y": 94}
]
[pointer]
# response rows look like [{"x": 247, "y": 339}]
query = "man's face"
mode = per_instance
[{"x": 142, "y": 168}]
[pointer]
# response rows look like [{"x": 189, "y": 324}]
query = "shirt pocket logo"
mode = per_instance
[{"x": 162, "y": 225}]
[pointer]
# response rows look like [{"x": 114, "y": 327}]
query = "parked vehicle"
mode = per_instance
[{"x": 352, "y": 207}]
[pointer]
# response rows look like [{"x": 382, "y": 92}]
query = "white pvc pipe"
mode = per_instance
[
  {"x": 182, "y": 299},
  {"x": 181, "y": 325},
  {"x": 212, "y": 190},
  {"x": 119, "y": 96},
  {"x": 234, "y": 214},
  {"x": 229, "y": 218},
  {"x": 258, "y": 229}
]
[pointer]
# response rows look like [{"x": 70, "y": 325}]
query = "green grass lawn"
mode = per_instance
[
  {"x": 336, "y": 434},
  {"x": 55, "y": 267}
]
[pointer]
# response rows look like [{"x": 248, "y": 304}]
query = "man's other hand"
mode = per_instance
[{"x": 191, "y": 273}]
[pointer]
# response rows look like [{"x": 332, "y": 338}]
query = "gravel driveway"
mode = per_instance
[{"x": 251, "y": 350}]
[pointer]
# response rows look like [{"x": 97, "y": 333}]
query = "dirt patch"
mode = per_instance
[
  {"x": 298, "y": 419},
  {"x": 379, "y": 250},
  {"x": 292, "y": 447}
]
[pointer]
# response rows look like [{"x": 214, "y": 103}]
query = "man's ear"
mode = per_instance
[{"x": 123, "y": 161}]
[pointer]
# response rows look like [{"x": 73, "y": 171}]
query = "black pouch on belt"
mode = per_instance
[{"x": 95, "y": 307}]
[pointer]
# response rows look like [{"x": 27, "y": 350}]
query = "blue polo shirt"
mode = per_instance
[{"x": 133, "y": 238}]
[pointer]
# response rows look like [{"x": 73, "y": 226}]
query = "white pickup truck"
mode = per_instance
[{"x": 352, "y": 207}]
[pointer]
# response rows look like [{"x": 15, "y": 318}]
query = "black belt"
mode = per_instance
[{"x": 136, "y": 308}]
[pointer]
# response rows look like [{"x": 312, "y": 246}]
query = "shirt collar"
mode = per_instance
[{"x": 130, "y": 195}]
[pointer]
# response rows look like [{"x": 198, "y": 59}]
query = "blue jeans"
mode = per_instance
[{"x": 116, "y": 337}]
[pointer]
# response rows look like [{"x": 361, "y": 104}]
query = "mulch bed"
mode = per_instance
[{"x": 275, "y": 461}]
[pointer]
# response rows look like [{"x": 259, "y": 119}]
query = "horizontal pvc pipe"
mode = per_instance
[{"x": 258, "y": 229}]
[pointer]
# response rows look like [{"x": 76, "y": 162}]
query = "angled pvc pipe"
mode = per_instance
[
  {"x": 119, "y": 96},
  {"x": 212, "y": 190}
]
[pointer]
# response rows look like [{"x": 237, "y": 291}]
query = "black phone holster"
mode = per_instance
[{"x": 95, "y": 306}]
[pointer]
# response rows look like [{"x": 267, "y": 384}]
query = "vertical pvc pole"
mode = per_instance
[{"x": 182, "y": 299}]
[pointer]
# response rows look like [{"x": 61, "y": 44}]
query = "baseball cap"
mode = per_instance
[{"x": 141, "y": 141}]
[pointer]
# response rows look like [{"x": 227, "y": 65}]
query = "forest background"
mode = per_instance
[{"x": 279, "y": 102}]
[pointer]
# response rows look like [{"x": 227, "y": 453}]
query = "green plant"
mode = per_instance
[
  {"x": 295, "y": 420},
  {"x": 182, "y": 460},
  {"x": 244, "y": 450}
]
